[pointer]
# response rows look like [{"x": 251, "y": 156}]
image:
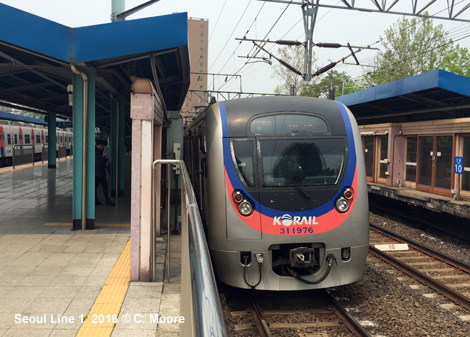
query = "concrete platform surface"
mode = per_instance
[{"x": 51, "y": 276}]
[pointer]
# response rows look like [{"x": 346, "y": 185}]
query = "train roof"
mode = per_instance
[{"x": 239, "y": 112}]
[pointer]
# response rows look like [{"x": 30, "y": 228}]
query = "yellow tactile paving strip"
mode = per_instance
[
  {"x": 65, "y": 224},
  {"x": 109, "y": 301}
]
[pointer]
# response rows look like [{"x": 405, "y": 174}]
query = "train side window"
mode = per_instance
[
  {"x": 242, "y": 155},
  {"x": 38, "y": 139},
  {"x": 411, "y": 155},
  {"x": 27, "y": 139},
  {"x": 47, "y": 139},
  {"x": 9, "y": 139},
  {"x": 466, "y": 164},
  {"x": 16, "y": 139}
]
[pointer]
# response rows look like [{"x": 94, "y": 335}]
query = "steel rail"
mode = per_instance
[
  {"x": 437, "y": 286},
  {"x": 426, "y": 250},
  {"x": 353, "y": 325},
  {"x": 260, "y": 322}
]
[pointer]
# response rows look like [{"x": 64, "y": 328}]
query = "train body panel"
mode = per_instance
[
  {"x": 28, "y": 135},
  {"x": 286, "y": 205}
]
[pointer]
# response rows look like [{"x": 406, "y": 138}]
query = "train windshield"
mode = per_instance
[{"x": 302, "y": 162}]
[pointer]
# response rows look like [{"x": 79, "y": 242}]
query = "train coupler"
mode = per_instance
[{"x": 302, "y": 257}]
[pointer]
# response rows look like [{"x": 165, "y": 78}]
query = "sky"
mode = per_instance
[{"x": 231, "y": 19}]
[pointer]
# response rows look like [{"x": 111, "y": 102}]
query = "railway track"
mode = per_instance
[
  {"x": 445, "y": 275},
  {"x": 321, "y": 315}
]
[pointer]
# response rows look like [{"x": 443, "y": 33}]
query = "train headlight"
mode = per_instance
[
  {"x": 245, "y": 208},
  {"x": 342, "y": 205}
]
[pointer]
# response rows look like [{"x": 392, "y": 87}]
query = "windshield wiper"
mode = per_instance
[{"x": 297, "y": 184}]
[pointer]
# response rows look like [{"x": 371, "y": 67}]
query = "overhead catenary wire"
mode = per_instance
[{"x": 275, "y": 23}]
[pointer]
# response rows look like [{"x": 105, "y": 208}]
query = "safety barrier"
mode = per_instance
[
  {"x": 23, "y": 154},
  {"x": 44, "y": 152},
  {"x": 200, "y": 304}
]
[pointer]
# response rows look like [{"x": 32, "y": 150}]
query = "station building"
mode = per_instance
[{"x": 416, "y": 140}]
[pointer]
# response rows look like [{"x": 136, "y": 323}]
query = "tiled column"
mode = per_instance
[{"x": 146, "y": 114}]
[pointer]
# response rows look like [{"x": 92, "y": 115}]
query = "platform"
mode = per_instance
[
  {"x": 433, "y": 202},
  {"x": 52, "y": 278}
]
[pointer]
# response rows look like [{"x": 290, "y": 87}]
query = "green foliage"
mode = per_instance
[
  {"x": 293, "y": 55},
  {"x": 320, "y": 86},
  {"x": 415, "y": 46}
]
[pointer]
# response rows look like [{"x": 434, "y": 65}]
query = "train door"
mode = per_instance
[{"x": 435, "y": 155}]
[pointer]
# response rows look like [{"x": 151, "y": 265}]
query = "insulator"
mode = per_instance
[
  {"x": 287, "y": 65},
  {"x": 289, "y": 42},
  {"x": 328, "y": 45},
  {"x": 325, "y": 69}
]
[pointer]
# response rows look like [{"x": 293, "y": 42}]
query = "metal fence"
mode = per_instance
[
  {"x": 200, "y": 304},
  {"x": 23, "y": 154},
  {"x": 44, "y": 152},
  {"x": 62, "y": 152}
]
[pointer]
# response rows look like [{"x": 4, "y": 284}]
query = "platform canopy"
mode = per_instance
[
  {"x": 36, "y": 54},
  {"x": 434, "y": 95}
]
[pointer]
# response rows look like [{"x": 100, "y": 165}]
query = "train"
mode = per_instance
[
  {"x": 20, "y": 133},
  {"x": 281, "y": 185}
]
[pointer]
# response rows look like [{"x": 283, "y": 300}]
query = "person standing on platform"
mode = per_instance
[
  {"x": 100, "y": 174},
  {"x": 107, "y": 155}
]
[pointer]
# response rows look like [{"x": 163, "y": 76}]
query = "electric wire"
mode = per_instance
[{"x": 275, "y": 23}]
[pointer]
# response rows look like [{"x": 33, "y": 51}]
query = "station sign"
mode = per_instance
[
  {"x": 392, "y": 247},
  {"x": 64, "y": 125},
  {"x": 458, "y": 165}
]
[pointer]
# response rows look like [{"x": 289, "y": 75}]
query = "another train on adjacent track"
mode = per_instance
[
  {"x": 281, "y": 185},
  {"x": 19, "y": 133}
]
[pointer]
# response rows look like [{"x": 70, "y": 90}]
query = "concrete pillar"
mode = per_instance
[
  {"x": 78, "y": 135},
  {"x": 147, "y": 117},
  {"x": 52, "y": 140},
  {"x": 397, "y": 155}
]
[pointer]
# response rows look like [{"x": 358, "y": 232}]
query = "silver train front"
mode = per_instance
[{"x": 229, "y": 235}]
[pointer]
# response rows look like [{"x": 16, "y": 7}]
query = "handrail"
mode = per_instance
[
  {"x": 16, "y": 146},
  {"x": 200, "y": 304}
]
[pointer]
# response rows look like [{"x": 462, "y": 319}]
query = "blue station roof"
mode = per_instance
[
  {"x": 19, "y": 118},
  {"x": 36, "y": 53},
  {"x": 434, "y": 95}
]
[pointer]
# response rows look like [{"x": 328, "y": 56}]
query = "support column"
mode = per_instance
[
  {"x": 78, "y": 135},
  {"x": 112, "y": 146},
  {"x": 146, "y": 114},
  {"x": 397, "y": 151},
  {"x": 121, "y": 139},
  {"x": 52, "y": 140},
  {"x": 117, "y": 145}
]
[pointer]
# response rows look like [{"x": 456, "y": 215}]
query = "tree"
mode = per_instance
[
  {"x": 321, "y": 86},
  {"x": 416, "y": 46},
  {"x": 293, "y": 55}
]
